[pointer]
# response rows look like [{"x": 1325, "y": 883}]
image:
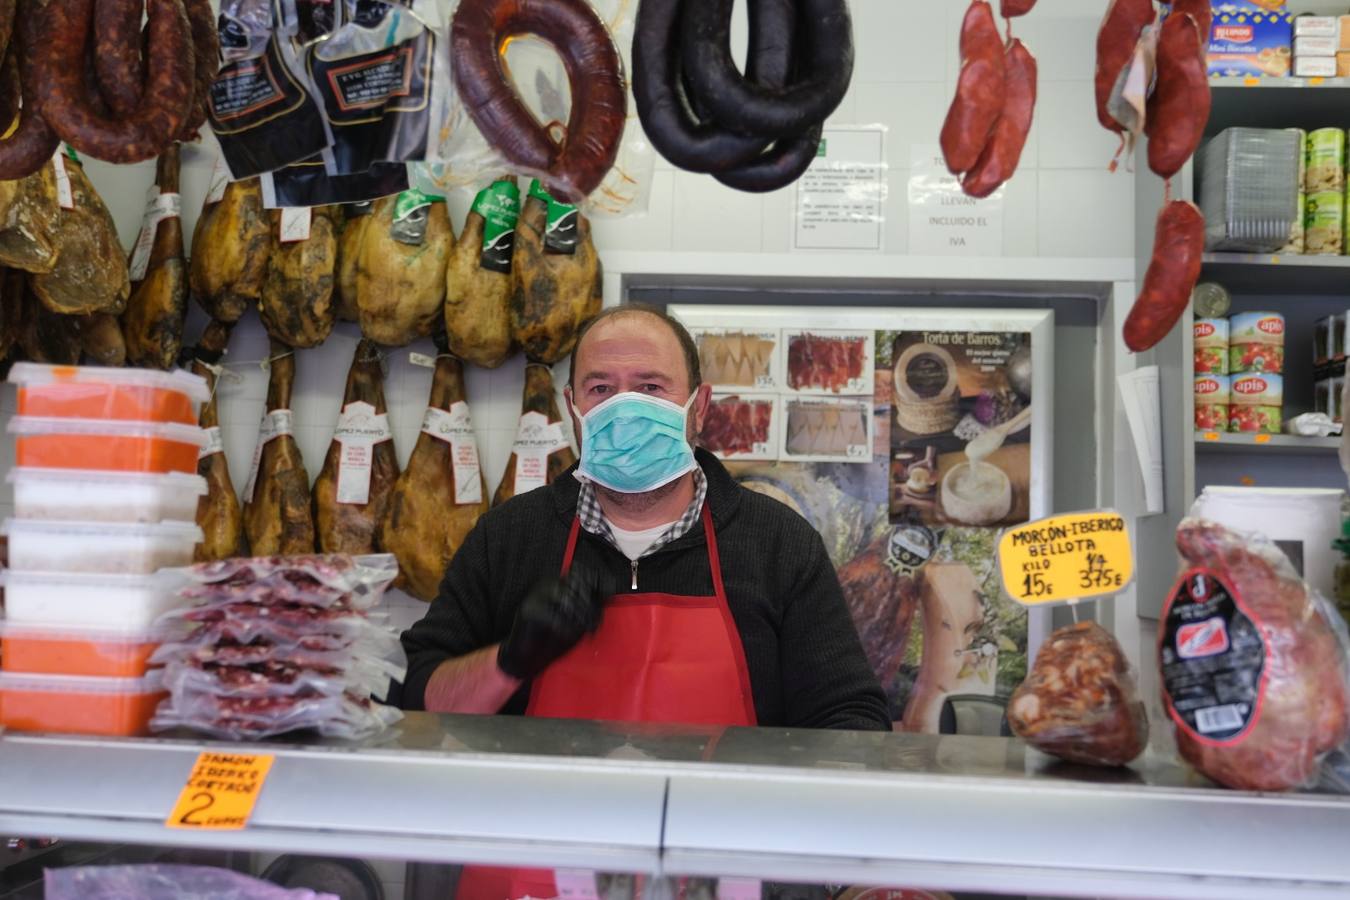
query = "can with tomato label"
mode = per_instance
[
  {"x": 1211, "y": 346},
  {"x": 1256, "y": 343},
  {"x": 1212, "y": 402},
  {"x": 1257, "y": 403}
]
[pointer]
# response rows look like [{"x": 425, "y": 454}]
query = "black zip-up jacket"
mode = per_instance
[{"x": 807, "y": 667}]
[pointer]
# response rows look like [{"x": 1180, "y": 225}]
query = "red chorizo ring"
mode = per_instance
[
  {"x": 7, "y": 8},
  {"x": 998, "y": 160},
  {"x": 165, "y": 100},
  {"x": 117, "y": 53},
  {"x": 33, "y": 142},
  {"x": 11, "y": 92},
  {"x": 206, "y": 62},
  {"x": 781, "y": 165},
  {"x": 980, "y": 90},
  {"x": 1124, "y": 22},
  {"x": 678, "y": 132},
  {"x": 1011, "y": 9},
  {"x": 1178, "y": 248},
  {"x": 575, "y": 168},
  {"x": 825, "y": 62},
  {"x": 1175, "y": 116}
]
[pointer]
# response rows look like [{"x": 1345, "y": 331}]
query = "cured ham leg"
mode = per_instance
[
  {"x": 541, "y": 452},
  {"x": 439, "y": 497},
  {"x": 218, "y": 513},
  {"x": 277, "y": 516}
]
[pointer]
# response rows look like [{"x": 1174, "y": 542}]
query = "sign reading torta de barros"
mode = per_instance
[{"x": 943, "y": 221}]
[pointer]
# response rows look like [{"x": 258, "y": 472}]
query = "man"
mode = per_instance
[{"x": 646, "y": 584}]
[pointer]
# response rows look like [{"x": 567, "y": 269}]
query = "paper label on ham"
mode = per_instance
[
  {"x": 274, "y": 424},
  {"x": 456, "y": 429},
  {"x": 220, "y": 180},
  {"x": 536, "y": 439},
  {"x": 295, "y": 222},
  {"x": 214, "y": 443},
  {"x": 64, "y": 195},
  {"x": 158, "y": 207},
  {"x": 359, "y": 429}
]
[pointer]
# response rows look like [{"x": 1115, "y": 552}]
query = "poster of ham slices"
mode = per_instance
[{"x": 921, "y": 584}]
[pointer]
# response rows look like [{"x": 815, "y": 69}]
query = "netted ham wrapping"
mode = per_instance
[
  {"x": 1080, "y": 702},
  {"x": 1254, "y": 664}
]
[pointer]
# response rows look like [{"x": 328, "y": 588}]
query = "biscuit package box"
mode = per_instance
[{"x": 1251, "y": 37}]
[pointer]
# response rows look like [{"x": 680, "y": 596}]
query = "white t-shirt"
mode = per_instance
[{"x": 635, "y": 543}]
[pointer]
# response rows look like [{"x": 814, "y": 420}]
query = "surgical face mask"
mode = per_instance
[{"x": 633, "y": 443}]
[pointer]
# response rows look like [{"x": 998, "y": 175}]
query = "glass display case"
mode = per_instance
[{"x": 668, "y": 811}]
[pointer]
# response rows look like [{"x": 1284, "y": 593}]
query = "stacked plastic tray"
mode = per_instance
[
  {"x": 1249, "y": 189},
  {"x": 105, "y": 496}
]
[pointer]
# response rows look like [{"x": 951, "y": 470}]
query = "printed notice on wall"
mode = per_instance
[
  {"x": 839, "y": 199},
  {"x": 943, "y": 221}
]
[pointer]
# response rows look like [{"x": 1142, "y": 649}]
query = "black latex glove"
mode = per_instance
[{"x": 554, "y": 615}]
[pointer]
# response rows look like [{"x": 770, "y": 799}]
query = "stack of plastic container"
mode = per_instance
[{"x": 105, "y": 496}]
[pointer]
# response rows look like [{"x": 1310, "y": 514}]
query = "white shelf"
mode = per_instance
[
  {"x": 1288, "y": 83},
  {"x": 1228, "y": 442}
]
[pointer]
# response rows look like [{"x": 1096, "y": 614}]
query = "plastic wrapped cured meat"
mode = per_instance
[
  {"x": 278, "y": 644},
  {"x": 738, "y": 426},
  {"x": 164, "y": 882},
  {"x": 1080, "y": 701},
  {"x": 1254, "y": 663}
]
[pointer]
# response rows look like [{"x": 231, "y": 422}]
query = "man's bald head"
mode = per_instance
[{"x": 660, "y": 319}]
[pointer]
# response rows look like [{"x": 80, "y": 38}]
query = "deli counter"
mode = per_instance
[{"x": 738, "y": 807}]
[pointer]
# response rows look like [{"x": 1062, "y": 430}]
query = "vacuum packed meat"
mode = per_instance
[
  {"x": 735, "y": 425},
  {"x": 827, "y": 363},
  {"x": 1079, "y": 701},
  {"x": 1254, "y": 672}
]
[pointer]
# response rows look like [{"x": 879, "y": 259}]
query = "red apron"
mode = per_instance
[{"x": 655, "y": 658}]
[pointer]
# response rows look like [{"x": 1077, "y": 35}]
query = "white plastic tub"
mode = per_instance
[
  {"x": 93, "y": 496},
  {"x": 92, "y": 392},
  {"x": 62, "y": 599},
  {"x": 106, "y": 444},
  {"x": 112, "y": 548}
]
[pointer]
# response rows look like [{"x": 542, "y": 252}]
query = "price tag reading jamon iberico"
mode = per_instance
[
  {"x": 1065, "y": 559},
  {"x": 456, "y": 429},
  {"x": 536, "y": 440},
  {"x": 359, "y": 429},
  {"x": 221, "y": 791}
]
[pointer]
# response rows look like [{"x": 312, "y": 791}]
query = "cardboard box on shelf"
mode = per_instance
[
  {"x": 1314, "y": 46},
  {"x": 1249, "y": 38},
  {"x": 1315, "y": 67},
  {"x": 1316, "y": 26}
]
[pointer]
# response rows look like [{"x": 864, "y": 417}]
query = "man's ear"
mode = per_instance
[
  {"x": 699, "y": 411},
  {"x": 572, "y": 414}
]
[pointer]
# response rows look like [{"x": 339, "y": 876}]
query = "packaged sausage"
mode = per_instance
[
  {"x": 1080, "y": 701},
  {"x": 382, "y": 78},
  {"x": 164, "y": 882},
  {"x": 1254, "y": 664}
]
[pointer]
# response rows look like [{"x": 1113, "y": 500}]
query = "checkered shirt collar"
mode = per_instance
[{"x": 592, "y": 518}]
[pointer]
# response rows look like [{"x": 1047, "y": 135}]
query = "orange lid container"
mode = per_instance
[
  {"x": 115, "y": 707},
  {"x": 90, "y": 392},
  {"x": 106, "y": 444},
  {"x": 62, "y": 650}
]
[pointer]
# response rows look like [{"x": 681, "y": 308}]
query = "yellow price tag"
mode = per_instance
[
  {"x": 1211, "y": 435},
  {"x": 1274, "y": 260},
  {"x": 1315, "y": 80},
  {"x": 1251, "y": 81},
  {"x": 1066, "y": 558},
  {"x": 1262, "y": 439},
  {"x": 221, "y": 791}
]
